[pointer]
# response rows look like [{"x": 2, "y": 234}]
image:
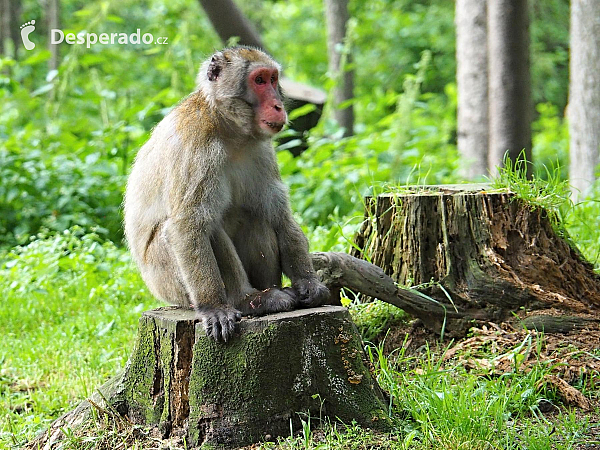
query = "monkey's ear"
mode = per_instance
[{"x": 214, "y": 68}]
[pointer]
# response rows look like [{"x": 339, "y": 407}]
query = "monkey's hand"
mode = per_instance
[
  {"x": 219, "y": 322},
  {"x": 310, "y": 291}
]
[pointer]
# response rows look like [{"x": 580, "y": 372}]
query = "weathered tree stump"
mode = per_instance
[
  {"x": 306, "y": 361},
  {"x": 480, "y": 255}
]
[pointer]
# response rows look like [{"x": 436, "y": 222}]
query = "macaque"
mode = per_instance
[{"x": 207, "y": 217}]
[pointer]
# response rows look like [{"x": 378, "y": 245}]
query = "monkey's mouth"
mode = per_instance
[{"x": 275, "y": 126}]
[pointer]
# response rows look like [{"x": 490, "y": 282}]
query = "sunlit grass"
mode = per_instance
[{"x": 70, "y": 305}]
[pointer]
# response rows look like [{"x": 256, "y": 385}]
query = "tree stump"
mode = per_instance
[
  {"x": 306, "y": 361},
  {"x": 478, "y": 255}
]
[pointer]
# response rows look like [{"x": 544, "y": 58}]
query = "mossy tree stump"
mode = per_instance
[
  {"x": 481, "y": 255},
  {"x": 307, "y": 361}
]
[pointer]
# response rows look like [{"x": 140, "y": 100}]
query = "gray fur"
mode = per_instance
[{"x": 207, "y": 217}]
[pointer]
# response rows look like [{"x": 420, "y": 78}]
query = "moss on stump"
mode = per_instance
[{"x": 226, "y": 395}]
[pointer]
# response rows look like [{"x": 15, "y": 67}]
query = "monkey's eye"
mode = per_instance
[
  {"x": 259, "y": 80},
  {"x": 273, "y": 79}
]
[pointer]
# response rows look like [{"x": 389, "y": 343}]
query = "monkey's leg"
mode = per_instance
[
  {"x": 160, "y": 272},
  {"x": 235, "y": 278},
  {"x": 255, "y": 248}
]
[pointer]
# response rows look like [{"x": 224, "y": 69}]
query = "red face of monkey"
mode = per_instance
[
  {"x": 239, "y": 78},
  {"x": 270, "y": 112}
]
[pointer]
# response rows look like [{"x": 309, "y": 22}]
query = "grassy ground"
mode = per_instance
[{"x": 69, "y": 310}]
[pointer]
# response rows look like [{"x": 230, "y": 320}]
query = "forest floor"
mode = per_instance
[{"x": 493, "y": 351}]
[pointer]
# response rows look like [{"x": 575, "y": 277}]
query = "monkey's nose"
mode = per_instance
[{"x": 277, "y": 108}]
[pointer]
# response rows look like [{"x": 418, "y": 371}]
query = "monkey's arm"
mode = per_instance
[
  {"x": 196, "y": 261},
  {"x": 296, "y": 262},
  {"x": 198, "y": 267}
]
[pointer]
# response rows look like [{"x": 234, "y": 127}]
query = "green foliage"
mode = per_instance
[
  {"x": 583, "y": 222},
  {"x": 550, "y": 51},
  {"x": 374, "y": 318},
  {"x": 414, "y": 143},
  {"x": 68, "y": 137},
  {"x": 103, "y": 101},
  {"x": 57, "y": 192},
  {"x": 550, "y": 142}
]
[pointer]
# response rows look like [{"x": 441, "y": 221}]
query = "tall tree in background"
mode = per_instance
[
  {"x": 53, "y": 21},
  {"x": 510, "y": 105},
  {"x": 472, "y": 83},
  {"x": 3, "y": 25},
  {"x": 10, "y": 19},
  {"x": 336, "y": 14},
  {"x": 584, "y": 94}
]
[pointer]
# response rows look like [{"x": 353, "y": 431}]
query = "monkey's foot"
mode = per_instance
[
  {"x": 220, "y": 323},
  {"x": 310, "y": 291},
  {"x": 270, "y": 300}
]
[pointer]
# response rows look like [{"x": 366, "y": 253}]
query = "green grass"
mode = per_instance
[
  {"x": 68, "y": 317},
  {"x": 70, "y": 305}
]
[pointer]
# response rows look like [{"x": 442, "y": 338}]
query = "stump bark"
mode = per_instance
[
  {"x": 478, "y": 255},
  {"x": 257, "y": 385}
]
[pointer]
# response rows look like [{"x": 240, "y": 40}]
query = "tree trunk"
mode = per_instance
[
  {"x": 472, "y": 84},
  {"x": 336, "y": 14},
  {"x": 478, "y": 255},
  {"x": 510, "y": 84},
  {"x": 584, "y": 95},
  {"x": 10, "y": 19},
  {"x": 53, "y": 21},
  {"x": 229, "y": 21},
  {"x": 16, "y": 8},
  {"x": 306, "y": 361},
  {"x": 2, "y": 26},
  {"x": 8, "y": 45}
]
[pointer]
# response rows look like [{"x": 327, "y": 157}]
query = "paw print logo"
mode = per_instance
[{"x": 26, "y": 29}]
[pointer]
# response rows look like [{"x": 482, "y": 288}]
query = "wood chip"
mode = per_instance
[{"x": 567, "y": 393}]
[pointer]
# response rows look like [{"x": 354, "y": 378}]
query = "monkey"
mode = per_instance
[{"x": 207, "y": 216}]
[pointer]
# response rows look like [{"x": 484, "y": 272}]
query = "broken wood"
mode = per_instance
[
  {"x": 279, "y": 369},
  {"x": 479, "y": 255}
]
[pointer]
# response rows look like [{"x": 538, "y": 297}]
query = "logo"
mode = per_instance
[
  {"x": 26, "y": 29},
  {"x": 89, "y": 39}
]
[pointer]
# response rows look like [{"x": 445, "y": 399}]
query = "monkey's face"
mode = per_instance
[
  {"x": 270, "y": 114},
  {"x": 243, "y": 83}
]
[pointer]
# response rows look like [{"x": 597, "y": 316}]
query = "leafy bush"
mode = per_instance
[
  {"x": 74, "y": 132},
  {"x": 57, "y": 192},
  {"x": 582, "y": 221},
  {"x": 414, "y": 143},
  {"x": 550, "y": 142}
]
